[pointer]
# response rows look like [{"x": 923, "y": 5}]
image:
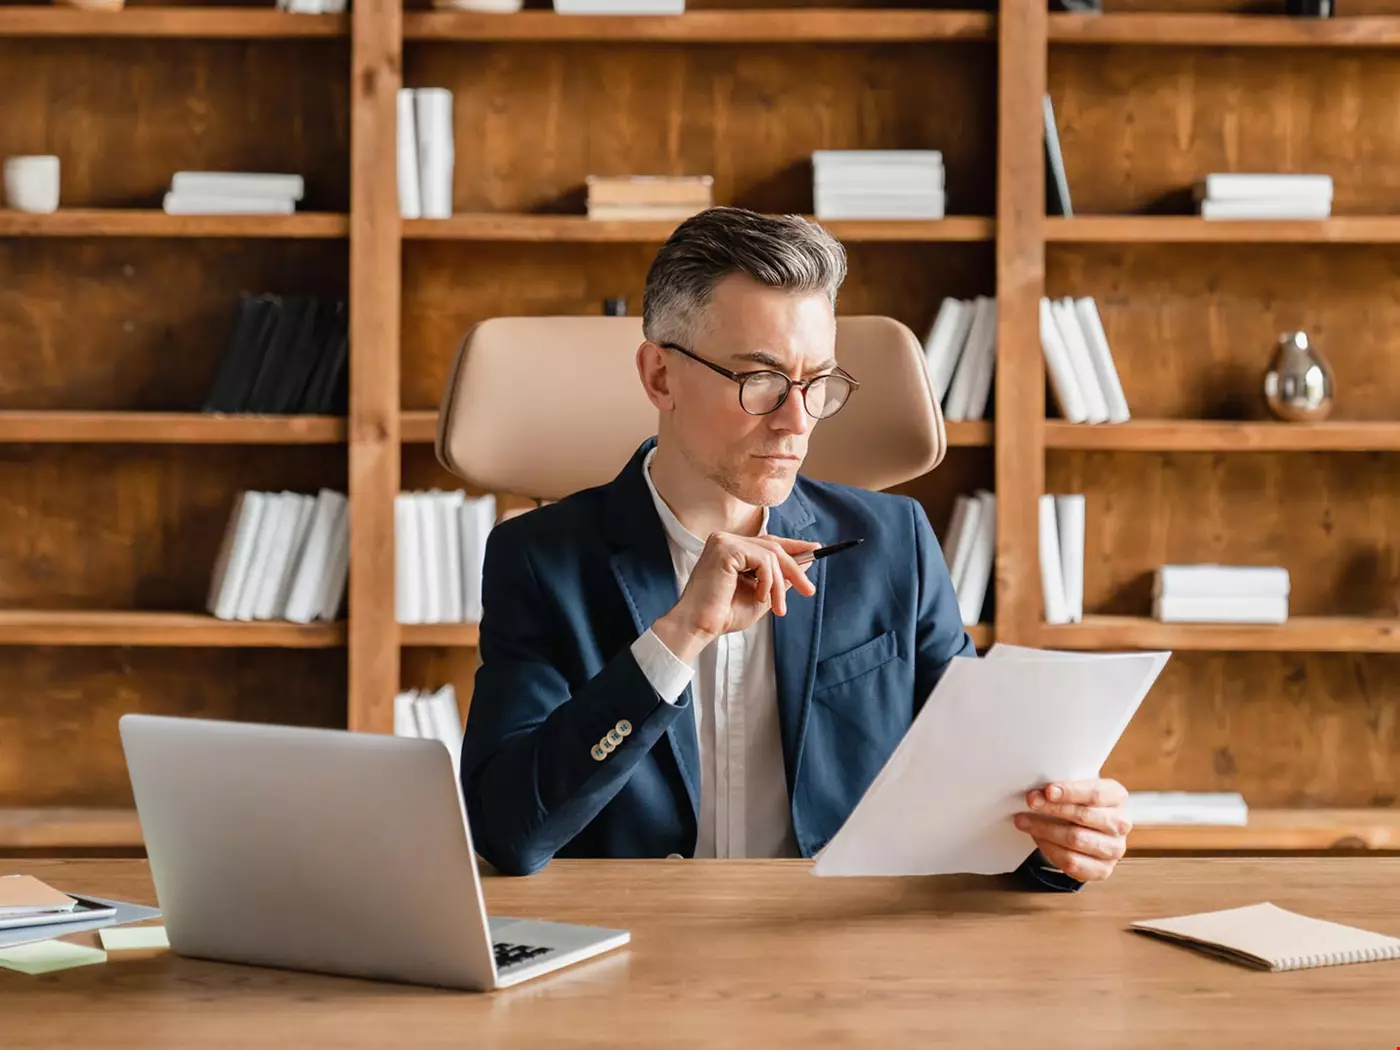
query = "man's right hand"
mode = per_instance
[{"x": 717, "y": 600}]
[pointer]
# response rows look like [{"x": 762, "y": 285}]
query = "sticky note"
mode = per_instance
[
  {"x": 47, "y": 956},
  {"x": 133, "y": 938}
]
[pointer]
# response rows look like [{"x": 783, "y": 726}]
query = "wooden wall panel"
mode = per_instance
[
  {"x": 59, "y": 743},
  {"x": 1283, "y": 729},
  {"x": 124, "y": 115},
  {"x": 1138, "y": 125},
  {"x": 131, "y": 527},
  {"x": 532, "y": 121},
  {"x": 134, "y": 324},
  {"x": 1193, "y": 327},
  {"x": 449, "y": 287}
]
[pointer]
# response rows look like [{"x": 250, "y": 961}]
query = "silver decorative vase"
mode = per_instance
[{"x": 1298, "y": 385}]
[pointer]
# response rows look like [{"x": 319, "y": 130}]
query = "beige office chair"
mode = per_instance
[{"x": 545, "y": 406}]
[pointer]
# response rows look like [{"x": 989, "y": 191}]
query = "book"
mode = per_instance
[
  {"x": 1057, "y": 201},
  {"x": 1268, "y": 208},
  {"x": 269, "y": 528},
  {"x": 1067, "y": 321},
  {"x": 1222, "y": 808},
  {"x": 1086, "y": 312},
  {"x": 981, "y": 390},
  {"x": 303, "y": 602},
  {"x": 957, "y": 524},
  {"x": 649, "y": 190},
  {"x": 945, "y": 342},
  {"x": 430, "y": 557},
  {"x": 1241, "y": 186},
  {"x": 978, "y": 571},
  {"x": 447, "y": 508},
  {"x": 961, "y": 544},
  {"x": 408, "y": 599},
  {"x": 405, "y": 722},
  {"x": 1220, "y": 581},
  {"x": 1058, "y": 369},
  {"x": 1268, "y": 937},
  {"x": 285, "y": 355},
  {"x": 1220, "y": 610},
  {"x": 232, "y": 563},
  {"x": 406, "y": 141},
  {"x": 243, "y": 184},
  {"x": 966, "y": 378},
  {"x": 22, "y": 896},
  {"x": 643, "y": 212},
  {"x": 1052, "y": 583},
  {"x": 1069, "y": 521},
  {"x": 225, "y": 204},
  {"x": 478, "y": 516},
  {"x": 436, "y": 150}
]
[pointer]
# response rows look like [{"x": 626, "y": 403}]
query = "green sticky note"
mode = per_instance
[
  {"x": 133, "y": 938},
  {"x": 47, "y": 956}
]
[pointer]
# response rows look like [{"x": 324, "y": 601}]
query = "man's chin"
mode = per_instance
[{"x": 767, "y": 489}]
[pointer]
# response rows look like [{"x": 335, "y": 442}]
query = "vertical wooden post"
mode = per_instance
[
  {"x": 375, "y": 275},
  {"x": 1020, "y": 373}
]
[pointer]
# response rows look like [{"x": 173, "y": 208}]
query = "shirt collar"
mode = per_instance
[{"x": 675, "y": 531}]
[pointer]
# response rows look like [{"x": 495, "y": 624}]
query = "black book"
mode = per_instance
[
  {"x": 263, "y": 319},
  {"x": 284, "y": 334},
  {"x": 245, "y": 320},
  {"x": 300, "y": 361},
  {"x": 323, "y": 395}
]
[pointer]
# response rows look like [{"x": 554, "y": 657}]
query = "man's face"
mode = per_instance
[{"x": 748, "y": 327}]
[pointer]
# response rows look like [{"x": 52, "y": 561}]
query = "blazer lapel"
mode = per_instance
[{"x": 795, "y": 636}]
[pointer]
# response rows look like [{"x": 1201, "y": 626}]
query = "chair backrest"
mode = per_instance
[{"x": 545, "y": 406}]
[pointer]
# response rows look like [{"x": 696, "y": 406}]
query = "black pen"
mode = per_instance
[{"x": 811, "y": 556}]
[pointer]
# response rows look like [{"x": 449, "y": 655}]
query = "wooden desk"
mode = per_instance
[{"x": 761, "y": 954}]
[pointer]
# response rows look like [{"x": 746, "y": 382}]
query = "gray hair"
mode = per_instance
[{"x": 780, "y": 251}]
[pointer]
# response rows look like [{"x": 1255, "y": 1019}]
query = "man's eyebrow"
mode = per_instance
[{"x": 770, "y": 360}]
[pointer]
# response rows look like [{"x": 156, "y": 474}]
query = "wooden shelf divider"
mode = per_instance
[
  {"x": 1191, "y": 229},
  {"x": 150, "y": 222},
  {"x": 1316, "y": 634},
  {"x": 168, "y": 428},
  {"x": 582, "y": 230},
  {"x": 174, "y": 629},
  {"x": 1202, "y": 435},
  {"x": 68, "y": 827},
  {"x": 187, "y": 22},
  {"x": 1224, "y": 30},
  {"x": 1278, "y": 830}
]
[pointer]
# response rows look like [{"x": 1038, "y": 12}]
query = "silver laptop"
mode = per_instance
[{"x": 325, "y": 850}]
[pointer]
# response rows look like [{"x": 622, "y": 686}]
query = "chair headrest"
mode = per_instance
[{"x": 546, "y": 406}]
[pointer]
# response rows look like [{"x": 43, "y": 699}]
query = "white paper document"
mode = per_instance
[{"x": 992, "y": 730}]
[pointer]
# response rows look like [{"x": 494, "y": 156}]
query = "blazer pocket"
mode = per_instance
[{"x": 853, "y": 662}]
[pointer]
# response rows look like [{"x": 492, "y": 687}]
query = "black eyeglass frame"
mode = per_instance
[{"x": 801, "y": 384}]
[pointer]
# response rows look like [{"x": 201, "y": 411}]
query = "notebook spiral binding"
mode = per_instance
[{"x": 1303, "y": 962}]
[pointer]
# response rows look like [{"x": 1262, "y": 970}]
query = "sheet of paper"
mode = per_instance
[
  {"x": 992, "y": 730},
  {"x": 126, "y": 913},
  {"x": 47, "y": 956},
  {"x": 133, "y": 938}
]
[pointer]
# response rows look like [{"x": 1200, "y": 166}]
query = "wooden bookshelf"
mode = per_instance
[
  {"x": 1201, "y": 435},
  {"x": 197, "y": 630},
  {"x": 1152, "y": 29},
  {"x": 169, "y": 428},
  {"x": 582, "y": 230},
  {"x": 1312, "y": 634},
  {"x": 1191, "y": 229},
  {"x": 181, "y": 23},
  {"x": 136, "y": 222},
  {"x": 68, "y": 827},
  {"x": 445, "y": 635},
  {"x": 1278, "y": 830}
]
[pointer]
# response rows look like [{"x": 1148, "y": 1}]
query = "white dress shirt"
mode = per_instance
[{"x": 744, "y": 807}]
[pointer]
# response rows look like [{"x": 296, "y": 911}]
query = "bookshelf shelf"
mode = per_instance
[
  {"x": 797, "y": 25},
  {"x": 579, "y": 229},
  {"x": 1224, "y": 30},
  {"x": 48, "y": 827},
  {"x": 189, "y": 23},
  {"x": 1194, "y": 435},
  {"x": 137, "y": 222},
  {"x": 1190, "y": 229},
  {"x": 102, "y": 627},
  {"x": 1279, "y": 829},
  {"x": 1316, "y": 634},
  {"x": 447, "y": 635},
  {"x": 169, "y": 428}
]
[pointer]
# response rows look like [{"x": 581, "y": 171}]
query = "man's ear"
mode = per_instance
[{"x": 652, "y": 368}]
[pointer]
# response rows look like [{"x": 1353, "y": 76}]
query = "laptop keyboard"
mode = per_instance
[{"x": 513, "y": 954}]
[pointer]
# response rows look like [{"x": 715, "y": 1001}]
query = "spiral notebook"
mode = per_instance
[{"x": 1273, "y": 938}]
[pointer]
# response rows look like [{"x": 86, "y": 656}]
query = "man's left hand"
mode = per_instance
[{"x": 1081, "y": 826}]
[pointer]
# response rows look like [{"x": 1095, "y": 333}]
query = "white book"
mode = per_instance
[
  {"x": 1240, "y": 186},
  {"x": 244, "y": 184},
  {"x": 1095, "y": 405},
  {"x": 1052, "y": 584},
  {"x": 957, "y": 524},
  {"x": 405, "y": 722},
  {"x": 447, "y": 722},
  {"x": 309, "y": 583},
  {"x": 408, "y": 597},
  {"x": 296, "y": 550},
  {"x": 338, "y": 574},
  {"x": 235, "y": 554},
  {"x": 185, "y": 204},
  {"x": 436, "y": 150},
  {"x": 986, "y": 365},
  {"x": 274, "y": 507},
  {"x": 966, "y": 539},
  {"x": 410, "y": 184},
  {"x": 958, "y": 405},
  {"x": 979, "y": 563},
  {"x": 1220, "y": 581},
  {"x": 844, "y": 158},
  {"x": 423, "y": 717},
  {"x": 877, "y": 210},
  {"x": 1069, "y": 521},
  {"x": 1221, "y": 610},
  {"x": 1091, "y": 327},
  {"x": 289, "y": 517},
  {"x": 1058, "y": 369},
  {"x": 1268, "y": 208},
  {"x": 448, "y": 508},
  {"x": 430, "y": 557},
  {"x": 478, "y": 517},
  {"x": 1188, "y": 807},
  {"x": 945, "y": 342}
]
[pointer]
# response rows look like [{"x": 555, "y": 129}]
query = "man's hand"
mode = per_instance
[
  {"x": 1081, "y": 826},
  {"x": 717, "y": 600}
]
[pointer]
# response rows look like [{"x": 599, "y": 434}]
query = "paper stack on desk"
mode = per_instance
[{"x": 992, "y": 730}]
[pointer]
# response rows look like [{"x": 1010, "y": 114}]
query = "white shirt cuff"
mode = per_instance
[{"x": 667, "y": 672}]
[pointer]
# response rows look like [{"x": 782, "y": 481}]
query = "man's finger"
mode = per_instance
[
  {"x": 1072, "y": 837},
  {"x": 1087, "y": 792},
  {"x": 788, "y": 567},
  {"x": 1108, "y": 819},
  {"x": 1075, "y": 865},
  {"x": 793, "y": 546}
]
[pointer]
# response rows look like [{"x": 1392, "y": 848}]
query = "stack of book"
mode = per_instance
[
  {"x": 1220, "y": 594},
  {"x": 968, "y": 549},
  {"x": 312, "y": 7},
  {"x": 431, "y": 716},
  {"x": 670, "y": 197},
  {"x": 440, "y": 548},
  {"x": 1078, "y": 363},
  {"x": 1238, "y": 196},
  {"x": 877, "y": 184},
  {"x": 284, "y": 556},
  {"x": 1226, "y": 808},
  {"x": 233, "y": 193},
  {"x": 961, "y": 353},
  {"x": 1062, "y": 557},
  {"x": 285, "y": 355},
  {"x": 426, "y": 153}
]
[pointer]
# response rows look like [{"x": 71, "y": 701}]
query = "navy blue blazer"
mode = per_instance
[{"x": 570, "y": 586}]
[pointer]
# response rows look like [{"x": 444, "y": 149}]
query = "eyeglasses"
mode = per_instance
[{"x": 766, "y": 390}]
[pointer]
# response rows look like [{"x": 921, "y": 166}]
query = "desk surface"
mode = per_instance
[{"x": 763, "y": 954}]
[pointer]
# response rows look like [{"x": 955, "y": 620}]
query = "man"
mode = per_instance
[{"x": 637, "y": 695}]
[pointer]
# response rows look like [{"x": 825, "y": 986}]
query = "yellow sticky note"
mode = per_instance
[
  {"x": 47, "y": 956},
  {"x": 133, "y": 938}
]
